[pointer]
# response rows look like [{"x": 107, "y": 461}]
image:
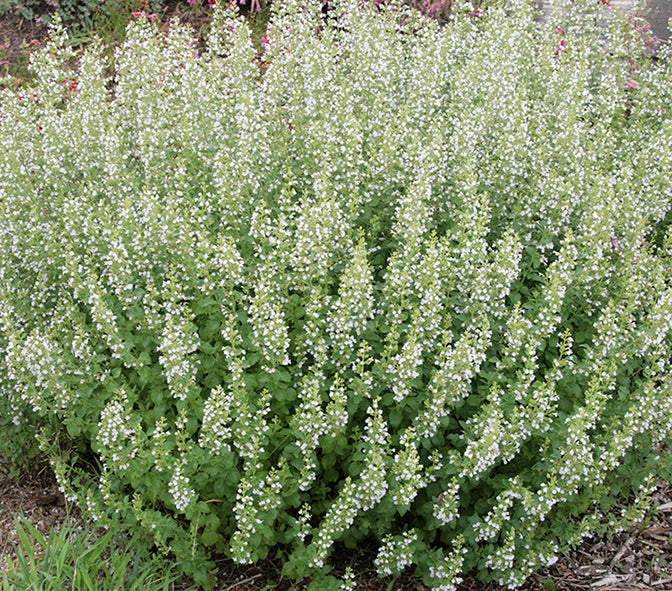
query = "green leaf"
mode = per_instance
[
  {"x": 283, "y": 375},
  {"x": 73, "y": 428},
  {"x": 211, "y": 538},
  {"x": 207, "y": 348}
]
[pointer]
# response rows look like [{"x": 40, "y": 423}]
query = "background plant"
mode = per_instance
[
  {"x": 373, "y": 280},
  {"x": 28, "y": 9}
]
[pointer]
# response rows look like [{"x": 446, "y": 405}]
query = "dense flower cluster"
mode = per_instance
[
  {"x": 393, "y": 283},
  {"x": 115, "y": 435},
  {"x": 395, "y": 553}
]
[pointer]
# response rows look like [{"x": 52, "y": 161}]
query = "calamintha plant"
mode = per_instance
[{"x": 375, "y": 281}]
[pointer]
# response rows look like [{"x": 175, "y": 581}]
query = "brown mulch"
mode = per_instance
[{"x": 638, "y": 559}]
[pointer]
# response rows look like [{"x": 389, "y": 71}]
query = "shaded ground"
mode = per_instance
[
  {"x": 635, "y": 560},
  {"x": 16, "y": 35}
]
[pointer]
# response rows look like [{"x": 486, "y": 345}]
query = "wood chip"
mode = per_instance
[
  {"x": 44, "y": 500},
  {"x": 50, "y": 499},
  {"x": 591, "y": 570},
  {"x": 621, "y": 551},
  {"x": 652, "y": 531},
  {"x": 610, "y": 580}
]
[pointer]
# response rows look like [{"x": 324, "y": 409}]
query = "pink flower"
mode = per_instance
[
  {"x": 72, "y": 85},
  {"x": 266, "y": 42},
  {"x": 143, "y": 14}
]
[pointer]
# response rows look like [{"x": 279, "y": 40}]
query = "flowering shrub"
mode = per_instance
[{"x": 376, "y": 281}]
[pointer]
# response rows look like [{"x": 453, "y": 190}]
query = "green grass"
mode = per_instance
[{"x": 74, "y": 558}]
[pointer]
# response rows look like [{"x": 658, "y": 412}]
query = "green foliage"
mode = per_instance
[
  {"x": 17, "y": 441},
  {"x": 28, "y": 9},
  {"x": 372, "y": 281},
  {"x": 79, "y": 12},
  {"x": 69, "y": 558}
]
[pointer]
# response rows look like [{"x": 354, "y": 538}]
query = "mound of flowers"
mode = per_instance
[{"x": 377, "y": 281}]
